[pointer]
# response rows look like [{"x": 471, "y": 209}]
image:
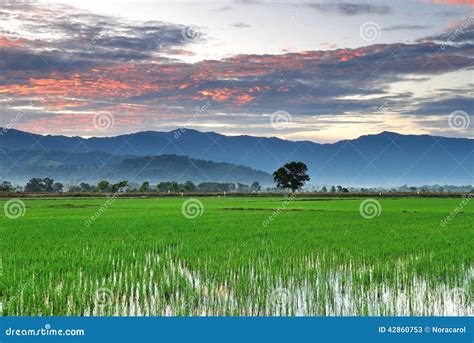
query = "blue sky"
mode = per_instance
[{"x": 315, "y": 70}]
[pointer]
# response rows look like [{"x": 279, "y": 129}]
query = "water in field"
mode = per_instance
[
  {"x": 165, "y": 286},
  {"x": 334, "y": 292}
]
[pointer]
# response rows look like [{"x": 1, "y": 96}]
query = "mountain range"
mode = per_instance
[{"x": 385, "y": 159}]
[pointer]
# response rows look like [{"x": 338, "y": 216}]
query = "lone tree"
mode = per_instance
[{"x": 292, "y": 175}]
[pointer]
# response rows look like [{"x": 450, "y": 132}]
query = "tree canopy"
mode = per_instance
[{"x": 292, "y": 176}]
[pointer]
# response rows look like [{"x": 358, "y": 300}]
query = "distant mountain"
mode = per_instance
[
  {"x": 20, "y": 166},
  {"x": 385, "y": 159},
  {"x": 182, "y": 168}
]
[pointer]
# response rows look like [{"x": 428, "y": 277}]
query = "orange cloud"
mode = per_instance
[
  {"x": 4, "y": 42},
  {"x": 83, "y": 86},
  {"x": 75, "y": 121},
  {"x": 235, "y": 81},
  {"x": 180, "y": 52},
  {"x": 237, "y": 96},
  {"x": 455, "y": 2}
]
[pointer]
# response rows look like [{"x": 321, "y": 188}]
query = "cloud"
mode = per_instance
[
  {"x": 248, "y": 2},
  {"x": 444, "y": 106},
  {"x": 461, "y": 32},
  {"x": 406, "y": 27},
  {"x": 224, "y": 9},
  {"x": 240, "y": 25},
  {"x": 454, "y": 2},
  {"x": 307, "y": 83},
  {"x": 89, "y": 63},
  {"x": 328, "y": 45},
  {"x": 61, "y": 35},
  {"x": 180, "y": 52},
  {"x": 350, "y": 8}
]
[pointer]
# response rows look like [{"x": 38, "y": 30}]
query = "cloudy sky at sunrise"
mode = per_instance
[{"x": 314, "y": 70}]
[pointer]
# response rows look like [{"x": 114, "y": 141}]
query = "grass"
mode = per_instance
[{"x": 313, "y": 257}]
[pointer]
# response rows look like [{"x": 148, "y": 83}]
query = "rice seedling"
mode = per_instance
[{"x": 143, "y": 257}]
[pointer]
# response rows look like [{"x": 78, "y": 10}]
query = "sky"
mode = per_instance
[{"x": 300, "y": 70}]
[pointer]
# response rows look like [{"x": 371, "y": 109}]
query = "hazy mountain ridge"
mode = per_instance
[
  {"x": 20, "y": 166},
  {"x": 384, "y": 159}
]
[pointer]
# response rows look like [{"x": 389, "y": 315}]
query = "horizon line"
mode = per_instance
[{"x": 4, "y": 130}]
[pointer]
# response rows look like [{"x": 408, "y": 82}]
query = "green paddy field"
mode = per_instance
[{"x": 237, "y": 256}]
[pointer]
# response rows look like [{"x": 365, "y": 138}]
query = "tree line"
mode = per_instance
[
  {"x": 291, "y": 176},
  {"x": 48, "y": 185}
]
